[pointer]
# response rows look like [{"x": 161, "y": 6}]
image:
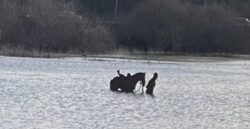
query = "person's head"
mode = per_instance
[
  {"x": 155, "y": 75},
  {"x": 128, "y": 75}
]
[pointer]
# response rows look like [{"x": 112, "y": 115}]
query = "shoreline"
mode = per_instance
[
  {"x": 175, "y": 58},
  {"x": 146, "y": 57},
  {"x": 123, "y": 54}
]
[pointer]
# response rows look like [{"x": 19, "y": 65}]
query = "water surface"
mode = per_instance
[{"x": 73, "y": 93}]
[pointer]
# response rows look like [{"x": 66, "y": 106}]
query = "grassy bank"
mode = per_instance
[
  {"x": 21, "y": 52},
  {"x": 128, "y": 55}
]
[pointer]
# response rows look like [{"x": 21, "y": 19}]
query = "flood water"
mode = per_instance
[{"x": 73, "y": 93}]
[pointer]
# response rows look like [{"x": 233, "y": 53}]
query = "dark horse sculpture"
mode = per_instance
[{"x": 127, "y": 84}]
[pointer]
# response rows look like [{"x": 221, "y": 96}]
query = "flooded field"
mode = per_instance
[{"x": 73, "y": 93}]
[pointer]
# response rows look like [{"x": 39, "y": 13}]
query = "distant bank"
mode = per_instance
[{"x": 183, "y": 57}]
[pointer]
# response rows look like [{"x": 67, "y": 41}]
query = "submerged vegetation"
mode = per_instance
[{"x": 93, "y": 26}]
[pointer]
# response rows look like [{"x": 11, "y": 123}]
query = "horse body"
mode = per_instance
[{"x": 127, "y": 84}]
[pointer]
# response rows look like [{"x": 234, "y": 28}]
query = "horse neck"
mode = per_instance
[
  {"x": 134, "y": 81},
  {"x": 136, "y": 78}
]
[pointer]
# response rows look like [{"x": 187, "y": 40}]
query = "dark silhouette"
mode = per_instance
[
  {"x": 127, "y": 84},
  {"x": 121, "y": 75},
  {"x": 151, "y": 84}
]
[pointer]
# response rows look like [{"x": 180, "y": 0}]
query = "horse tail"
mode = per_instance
[{"x": 114, "y": 85}]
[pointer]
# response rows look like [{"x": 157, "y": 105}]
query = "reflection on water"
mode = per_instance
[{"x": 73, "y": 93}]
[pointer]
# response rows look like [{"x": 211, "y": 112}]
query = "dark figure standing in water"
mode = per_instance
[{"x": 151, "y": 84}]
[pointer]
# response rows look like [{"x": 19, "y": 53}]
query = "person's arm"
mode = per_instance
[
  {"x": 121, "y": 75},
  {"x": 118, "y": 71}
]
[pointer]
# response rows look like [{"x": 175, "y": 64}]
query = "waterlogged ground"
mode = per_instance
[{"x": 73, "y": 93}]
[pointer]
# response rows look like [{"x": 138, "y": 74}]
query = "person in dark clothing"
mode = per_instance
[
  {"x": 151, "y": 84},
  {"x": 121, "y": 75}
]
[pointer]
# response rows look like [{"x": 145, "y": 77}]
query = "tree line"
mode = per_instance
[
  {"x": 51, "y": 26},
  {"x": 183, "y": 26}
]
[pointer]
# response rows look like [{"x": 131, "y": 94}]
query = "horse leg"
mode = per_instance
[{"x": 142, "y": 90}]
